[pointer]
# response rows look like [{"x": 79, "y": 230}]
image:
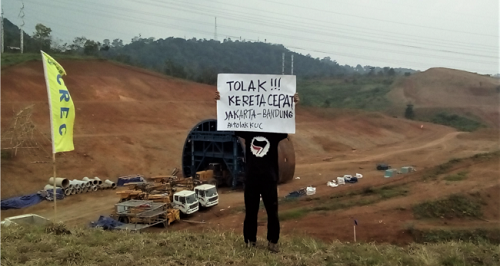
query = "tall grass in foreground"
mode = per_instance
[{"x": 58, "y": 246}]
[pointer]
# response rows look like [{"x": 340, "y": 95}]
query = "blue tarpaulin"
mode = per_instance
[
  {"x": 106, "y": 223},
  {"x": 49, "y": 194},
  {"x": 127, "y": 179},
  {"x": 296, "y": 194},
  {"x": 21, "y": 202}
]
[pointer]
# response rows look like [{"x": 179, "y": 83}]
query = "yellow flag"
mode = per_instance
[{"x": 62, "y": 110}]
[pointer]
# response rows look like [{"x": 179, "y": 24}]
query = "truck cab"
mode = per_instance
[
  {"x": 186, "y": 201},
  {"x": 207, "y": 195}
]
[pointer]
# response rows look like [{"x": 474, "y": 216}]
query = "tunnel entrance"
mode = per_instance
[{"x": 207, "y": 148}]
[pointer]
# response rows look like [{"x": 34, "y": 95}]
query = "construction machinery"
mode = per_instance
[
  {"x": 184, "y": 194},
  {"x": 207, "y": 195},
  {"x": 204, "y": 188},
  {"x": 139, "y": 214}
]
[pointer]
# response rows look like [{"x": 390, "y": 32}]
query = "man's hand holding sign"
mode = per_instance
[{"x": 261, "y": 110}]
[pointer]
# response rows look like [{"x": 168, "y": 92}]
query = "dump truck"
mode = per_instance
[
  {"x": 207, "y": 195},
  {"x": 186, "y": 201},
  {"x": 139, "y": 214}
]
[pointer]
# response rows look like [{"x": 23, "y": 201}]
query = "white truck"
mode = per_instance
[
  {"x": 207, "y": 195},
  {"x": 185, "y": 201}
]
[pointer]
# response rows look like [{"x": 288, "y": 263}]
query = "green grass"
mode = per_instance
[
  {"x": 388, "y": 192},
  {"x": 456, "y": 177},
  {"x": 367, "y": 93},
  {"x": 6, "y": 154},
  {"x": 363, "y": 197},
  {"x": 293, "y": 214},
  {"x": 469, "y": 235},
  {"x": 480, "y": 157},
  {"x": 36, "y": 246},
  {"x": 454, "y": 206},
  {"x": 456, "y": 121},
  {"x": 370, "y": 195},
  {"x": 14, "y": 59},
  {"x": 435, "y": 171}
]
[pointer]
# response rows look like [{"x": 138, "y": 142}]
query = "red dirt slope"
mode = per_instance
[
  {"x": 134, "y": 121},
  {"x": 130, "y": 121},
  {"x": 455, "y": 90}
]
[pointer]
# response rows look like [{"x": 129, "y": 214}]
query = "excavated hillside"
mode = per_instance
[
  {"x": 441, "y": 89},
  {"x": 131, "y": 121}
]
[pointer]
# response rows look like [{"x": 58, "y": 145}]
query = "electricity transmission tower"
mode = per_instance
[
  {"x": 3, "y": 49},
  {"x": 21, "y": 15}
]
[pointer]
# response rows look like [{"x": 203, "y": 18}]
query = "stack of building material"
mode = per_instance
[{"x": 76, "y": 186}]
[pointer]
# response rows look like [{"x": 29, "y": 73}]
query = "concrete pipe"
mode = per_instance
[
  {"x": 93, "y": 188},
  {"x": 88, "y": 184},
  {"x": 49, "y": 187},
  {"x": 74, "y": 184},
  {"x": 85, "y": 189},
  {"x": 99, "y": 181},
  {"x": 110, "y": 183},
  {"x": 80, "y": 183},
  {"x": 68, "y": 191},
  {"x": 73, "y": 191},
  {"x": 94, "y": 182},
  {"x": 60, "y": 182}
]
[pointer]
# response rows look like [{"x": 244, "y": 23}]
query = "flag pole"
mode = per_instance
[
  {"x": 55, "y": 192},
  {"x": 57, "y": 109}
]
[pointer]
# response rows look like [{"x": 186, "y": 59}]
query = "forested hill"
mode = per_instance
[
  {"x": 200, "y": 59},
  {"x": 197, "y": 59},
  {"x": 12, "y": 38}
]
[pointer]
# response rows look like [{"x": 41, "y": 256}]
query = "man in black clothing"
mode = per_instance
[{"x": 262, "y": 175}]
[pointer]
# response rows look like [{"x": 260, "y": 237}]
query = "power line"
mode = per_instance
[
  {"x": 350, "y": 55},
  {"x": 400, "y": 4},
  {"x": 383, "y": 20},
  {"x": 238, "y": 15},
  {"x": 159, "y": 24},
  {"x": 347, "y": 37},
  {"x": 413, "y": 7},
  {"x": 455, "y": 44}
]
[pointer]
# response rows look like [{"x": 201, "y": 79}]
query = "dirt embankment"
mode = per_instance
[
  {"x": 442, "y": 89},
  {"x": 131, "y": 121}
]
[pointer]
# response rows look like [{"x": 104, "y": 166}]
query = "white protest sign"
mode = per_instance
[{"x": 255, "y": 102}]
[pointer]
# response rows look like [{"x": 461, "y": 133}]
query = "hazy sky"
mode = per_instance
[{"x": 417, "y": 34}]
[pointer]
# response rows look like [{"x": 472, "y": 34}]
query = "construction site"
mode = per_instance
[{"x": 152, "y": 158}]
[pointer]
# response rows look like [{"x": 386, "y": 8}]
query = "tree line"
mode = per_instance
[{"x": 194, "y": 59}]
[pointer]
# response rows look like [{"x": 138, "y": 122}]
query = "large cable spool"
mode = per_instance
[{"x": 286, "y": 157}]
